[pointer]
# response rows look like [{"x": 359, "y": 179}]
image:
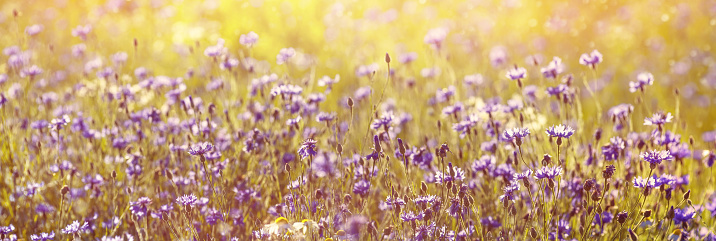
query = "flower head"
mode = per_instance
[
  {"x": 516, "y": 73},
  {"x": 591, "y": 59},
  {"x": 249, "y": 39},
  {"x": 43, "y": 236},
  {"x": 548, "y": 172},
  {"x": 308, "y": 148},
  {"x": 515, "y": 133},
  {"x": 561, "y": 131},
  {"x": 642, "y": 80},
  {"x": 554, "y": 68},
  {"x": 75, "y": 227},
  {"x": 200, "y": 148},
  {"x": 658, "y": 119},
  {"x": 656, "y": 157},
  {"x": 187, "y": 200}
]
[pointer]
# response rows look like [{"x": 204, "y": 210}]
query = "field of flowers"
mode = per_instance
[{"x": 357, "y": 120}]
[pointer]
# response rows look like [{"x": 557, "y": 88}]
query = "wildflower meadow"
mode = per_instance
[{"x": 225, "y": 120}]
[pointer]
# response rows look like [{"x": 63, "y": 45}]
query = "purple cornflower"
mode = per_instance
[
  {"x": 510, "y": 192},
  {"x": 473, "y": 80},
  {"x": 424, "y": 232},
  {"x": 187, "y": 200},
  {"x": 548, "y": 172},
  {"x": 554, "y": 68},
  {"x": 284, "y": 55},
  {"x": 683, "y": 215},
  {"x": 620, "y": 112},
  {"x": 642, "y": 80},
  {"x": 385, "y": 121},
  {"x": 444, "y": 94},
  {"x": 325, "y": 117},
  {"x": 558, "y": 90},
  {"x": 82, "y": 31},
  {"x": 609, "y": 171},
  {"x": 516, "y": 73},
  {"x": 407, "y": 58},
  {"x": 33, "y": 30},
  {"x": 640, "y": 182},
  {"x": 465, "y": 126},
  {"x": 515, "y": 133},
  {"x": 591, "y": 59},
  {"x": 612, "y": 151},
  {"x": 327, "y": 81},
  {"x": 655, "y": 157},
  {"x": 216, "y": 50},
  {"x": 490, "y": 222},
  {"x": 485, "y": 163},
  {"x": 603, "y": 218},
  {"x": 455, "y": 210},
  {"x": 453, "y": 110},
  {"x": 560, "y": 131},
  {"x": 658, "y": 119},
  {"x": 441, "y": 178},
  {"x": 43, "y": 236},
  {"x": 526, "y": 175},
  {"x": 361, "y": 187},
  {"x": 498, "y": 56},
  {"x": 75, "y": 228},
  {"x": 410, "y": 216},
  {"x": 249, "y": 39},
  {"x": 213, "y": 216},
  {"x": 59, "y": 123},
  {"x": 5, "y": 230},
  {"x": 139, "y": 208},
  {"x": 435, "y": 37},
  {"x": 308, "y": 148},
  {"x": 200, "y": 148}
]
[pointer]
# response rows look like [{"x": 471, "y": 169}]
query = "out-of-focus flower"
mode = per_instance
[{"x": 591, "y": 59}]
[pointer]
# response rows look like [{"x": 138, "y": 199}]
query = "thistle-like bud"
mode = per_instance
[
  {"x": 318, "y": 194},
  {"x": 546, "y": 160},
  {"x": 288, "y": 167},
  {"x": 350, "y": 102},
  {"x": 646, "y": 213},
  {"x": 687, "y": 195},
  {"x": 533, "y": 233},
  {"x": 622, "y": 217},
  {"x": 423, "y": 187},
  {"x": 387, "y": 58},
  {"x": 376, "y": 144},
  {"x": 64, "y": 190}
]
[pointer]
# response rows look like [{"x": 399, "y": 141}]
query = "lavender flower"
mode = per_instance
[
  {"x": 75, "y": 228},
  {"x": 187, "y": 200},
  {"x": 362, "y": 187},
  {"x": 139, "y": 208},
  {"x": 548, "y": 172},
  {"x": 308, "y": 148},
  {"x": 642, "y": 80},
  {"x": 591, "y": 59},
  {"x": 516, "y": 73},
  {"x": 655, "y": 157},
  {"x": 515, "y": 133},
  {"x": 249, "y": 39},
  {"x": 200, "y": 148},
  {"x": 284, "y": 55},
  {"x": 658, "y": 119},
  {"x": 554, "y": 68},
  {"x": 43, "y": 236},
  {"x": 560, "y": 131}
]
